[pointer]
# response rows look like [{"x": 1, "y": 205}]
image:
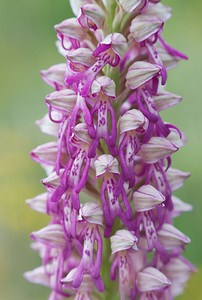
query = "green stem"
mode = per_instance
[
  {"x": 110, "y": 14},
  {"x": 111, "y": 288}
]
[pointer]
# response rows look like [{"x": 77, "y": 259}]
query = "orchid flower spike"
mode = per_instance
[{"x": 109, "y": 179}]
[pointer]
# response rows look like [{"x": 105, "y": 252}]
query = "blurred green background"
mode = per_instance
[{"x": 27, "y": 45}]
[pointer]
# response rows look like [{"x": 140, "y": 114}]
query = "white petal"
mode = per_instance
[
  {"x": 176, "y": 178},
  {"x": 64, "y": 100},
  {"x": 155, "y": 149},
  {"x": 180, "y": 206},
  {"x": 47, "y": 126},
  {"x": 70, "y": 276},
  {"x": 151, "y": 279},
  {"x": 76, "y": 4},
  {"x": 38, "y": 203},
  {"x": 131, "y": 120},
  {"x": 106, "y": 163},
  {"x": 52, "y": 233},
  {"x": 142, "y": 27},
  {"x": 139, "y": 73},
  {"x": 123, "y": 240},
  {"x": 159, "y": 10},
  {"x": 92, "y": 213},
  {"x": 146, "y": 198},
  {"x": 38, "y": 276},
  {"x": 170, "y": 237},
  {"x": 104, "y": 84},
  {"x": 129, "y": 5},
  {"x": 53, "y": 180}
]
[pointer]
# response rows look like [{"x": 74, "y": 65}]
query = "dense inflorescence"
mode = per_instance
[{"x": 109, "y": 185}]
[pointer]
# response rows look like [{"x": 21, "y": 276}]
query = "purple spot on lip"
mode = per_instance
[{"x": 87, "y": 252}]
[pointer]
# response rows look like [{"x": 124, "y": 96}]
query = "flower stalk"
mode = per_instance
[{"x": 109, "y": 185}]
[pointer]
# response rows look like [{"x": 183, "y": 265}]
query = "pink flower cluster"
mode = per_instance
[{"x": 109, "y": 185}]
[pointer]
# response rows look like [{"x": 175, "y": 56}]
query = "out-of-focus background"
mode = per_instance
[{"x": 27, "y": 45}]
